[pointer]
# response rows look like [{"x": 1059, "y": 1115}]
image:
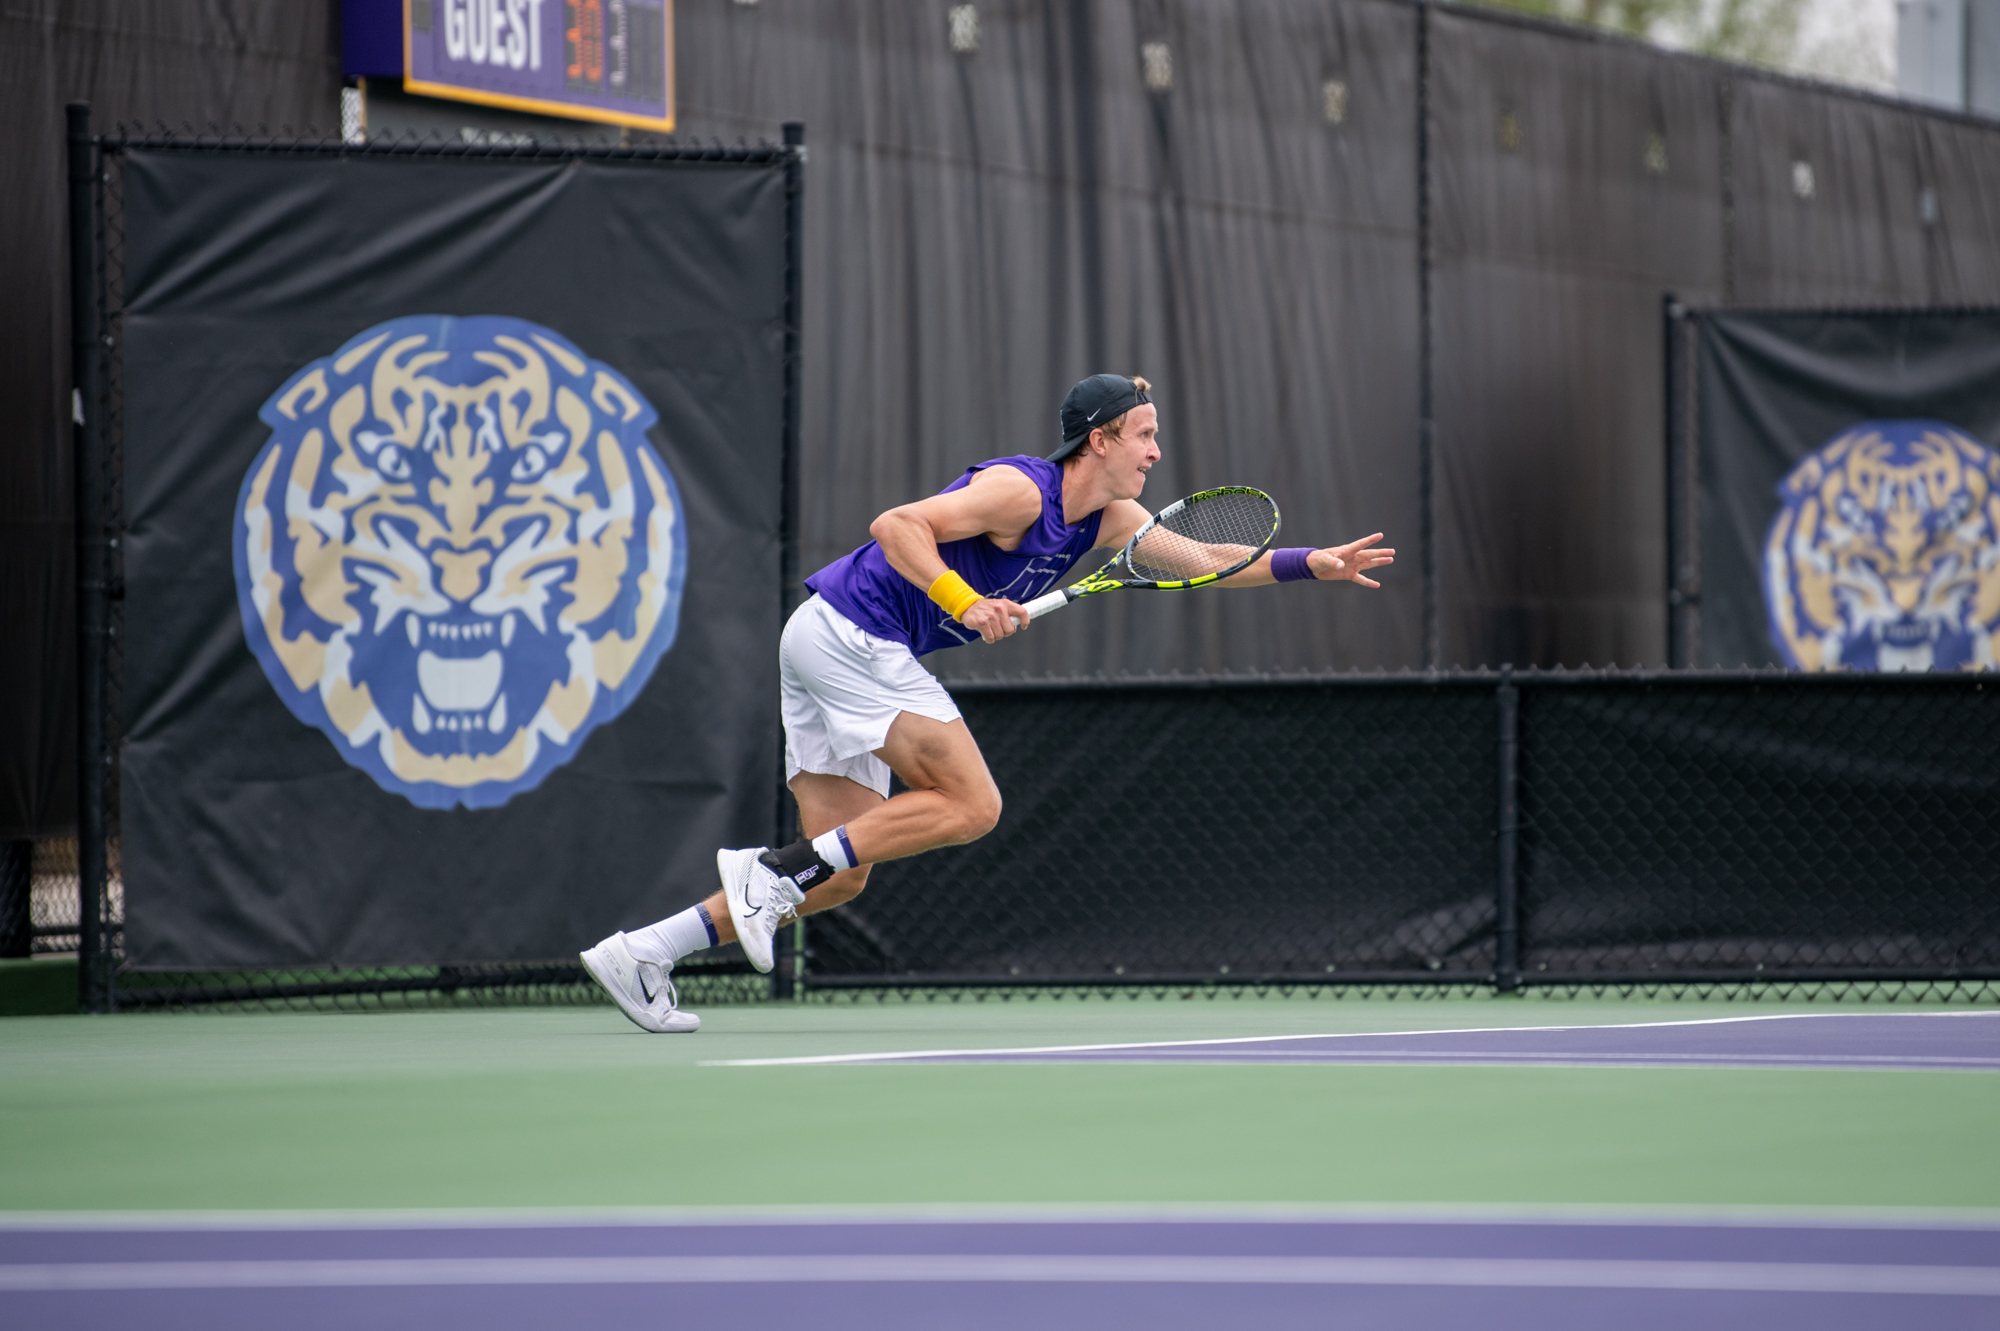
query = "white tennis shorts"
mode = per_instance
[{"x": 841, "y": 689}]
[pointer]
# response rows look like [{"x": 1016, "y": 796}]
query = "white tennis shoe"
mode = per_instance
[
  {"x": 759, "y": 901},
  {"x": 641, "y": 988}
]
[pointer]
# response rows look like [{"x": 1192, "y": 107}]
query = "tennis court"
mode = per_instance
[
  {"x": 1584, "y": 918},
  {"x": 984, "y": 1164}
]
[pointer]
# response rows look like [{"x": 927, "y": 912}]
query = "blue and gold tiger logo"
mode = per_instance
[
  {"x": 1886, "y": 552},
  {"x": 458, "y": 555}
]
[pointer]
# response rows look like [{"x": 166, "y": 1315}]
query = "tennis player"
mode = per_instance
[{"x": 944, "y": 571}]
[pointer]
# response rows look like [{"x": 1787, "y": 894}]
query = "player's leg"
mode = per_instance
[
  {"x": 825, "y": 803},
  {"x": 951, "y": 800},
  {"x": 855, "y": 706},
  {"x": 634, "y": 967},
  {"x": 951, "y": 797}
]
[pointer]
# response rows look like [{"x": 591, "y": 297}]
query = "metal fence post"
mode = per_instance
[
  {"x": 1683, "y": 490},
  {"x": 1433, "y": 653},
  {"x": 788, "y": 969},
  {"x": 1506, "y": 897},
  {"x": 1671, "y": 311},
  {"x": 92, "y": 573}
]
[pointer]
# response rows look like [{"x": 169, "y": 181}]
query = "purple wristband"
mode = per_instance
[{"x": 1289, "y": 565}]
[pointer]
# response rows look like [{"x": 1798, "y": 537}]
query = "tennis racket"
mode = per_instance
[{"x": 1190, "y": 543}]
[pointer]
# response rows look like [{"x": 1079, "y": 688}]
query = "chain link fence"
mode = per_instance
[
  {"x": 1742, "y": 835},
  {"x": 1160, "y": 835},
  {"x": 1637, "y": 833},
  {"x": 39, "y": 901},
  {"x": 1837, "y": 828}
]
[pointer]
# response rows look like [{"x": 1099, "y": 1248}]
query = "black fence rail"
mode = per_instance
[{"x": 1629, "y": 831}]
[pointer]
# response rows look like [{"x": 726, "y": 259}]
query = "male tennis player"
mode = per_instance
[{"x": 857, "y": 706}]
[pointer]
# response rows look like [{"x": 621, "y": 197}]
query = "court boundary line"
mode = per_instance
[
  {"x": 1416, "y": 1059},
  {"x": 1609, "y": 1214},
  {"x": 910, "y": 1055},
  {"x": 1694, "y": 1276}
]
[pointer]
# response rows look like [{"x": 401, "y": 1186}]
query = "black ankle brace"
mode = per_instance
[{"x": 798, "y": 862}]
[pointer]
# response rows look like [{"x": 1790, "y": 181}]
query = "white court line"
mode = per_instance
[
  {"x": 1518, "y": 1273},
  {"x": 846, "y": 1214},
  {"x": 1557, "y": 1059},
  {"x": 894, "y": 1056}
]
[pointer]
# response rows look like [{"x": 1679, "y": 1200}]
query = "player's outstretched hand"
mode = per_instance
[
  {"x": 995, "y": 618},
  {"x": 1350, "y": 562}
]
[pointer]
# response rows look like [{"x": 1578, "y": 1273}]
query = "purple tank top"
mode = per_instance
[{"x": 883, "y": 602}]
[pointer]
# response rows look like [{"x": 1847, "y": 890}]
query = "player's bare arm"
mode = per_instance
[
  {"x": 1000, "y": 504},
  {"x": 1334, "y": 563},
  {"x": 1122, "y": 520}
]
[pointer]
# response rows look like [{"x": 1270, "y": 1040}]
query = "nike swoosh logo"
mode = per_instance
[{"x": 647, "y": 989}]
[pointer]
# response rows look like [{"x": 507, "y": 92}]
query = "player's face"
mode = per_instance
[{"x": 1129, "y": 457}]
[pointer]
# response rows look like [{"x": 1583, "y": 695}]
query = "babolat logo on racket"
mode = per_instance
[
  {"x": 457, "y": 555},
  {"x": 1885, "y": 553}
]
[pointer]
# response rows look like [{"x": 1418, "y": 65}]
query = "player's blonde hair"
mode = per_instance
[{"x": 1113, "y": 427}]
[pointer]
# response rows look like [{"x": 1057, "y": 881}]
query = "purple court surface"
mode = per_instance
[
  {"x": 1916, "y": 1041},
  {"x": 833, "y": 1273}
]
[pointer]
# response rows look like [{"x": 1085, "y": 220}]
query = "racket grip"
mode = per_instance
[{"x": 1042, "y": 605}]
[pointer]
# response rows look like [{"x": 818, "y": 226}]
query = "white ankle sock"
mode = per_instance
[
  {"x": 833, "y": 848},
  {"x": 672, "y": 938}
]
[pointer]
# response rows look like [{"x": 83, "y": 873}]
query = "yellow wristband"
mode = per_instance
[{"x": 954, "y": 593}]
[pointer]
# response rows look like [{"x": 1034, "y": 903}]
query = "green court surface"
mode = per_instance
[{"x": 572, "y": 1107}]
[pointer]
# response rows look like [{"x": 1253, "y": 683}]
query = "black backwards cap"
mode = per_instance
[{"x": 1094, "y": 402}]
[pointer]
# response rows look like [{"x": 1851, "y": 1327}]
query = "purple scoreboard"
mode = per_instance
[{"x": 608, "y": 60}]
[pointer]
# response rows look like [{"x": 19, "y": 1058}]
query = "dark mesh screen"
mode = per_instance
[
  {"x": 1728, "y": 828},
  {"x": 1669, "y": 830},
  {"x": 1204, "y": 832}
]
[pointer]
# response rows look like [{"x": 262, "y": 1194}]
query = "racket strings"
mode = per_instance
[{"x": 1206, "y": 535}]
